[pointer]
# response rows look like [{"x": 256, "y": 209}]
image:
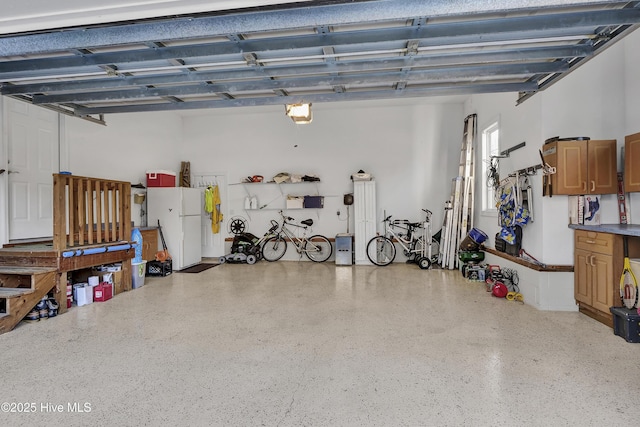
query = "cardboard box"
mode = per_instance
[
  {"x": 295, "y": 202},
  {"x": 113, "y": 277},
  {"x": 161, "y": 178}
]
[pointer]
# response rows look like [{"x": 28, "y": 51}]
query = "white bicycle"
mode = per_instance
[{"x": 411, "y": 236}]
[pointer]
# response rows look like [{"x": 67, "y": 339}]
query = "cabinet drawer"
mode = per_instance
[{"x": 594, "y": 242}]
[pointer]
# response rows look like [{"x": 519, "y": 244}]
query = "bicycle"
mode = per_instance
[
  {"x": 381, "y": 250},
  {"x": 317, "y": 248}
]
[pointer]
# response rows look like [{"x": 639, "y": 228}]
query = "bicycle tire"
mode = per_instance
[
  {"x": 435, "y": 251},
  {"x": 323, "y": 248},
  {"x": 381, "y": 251},
  {"x": 274, "y": 248}
]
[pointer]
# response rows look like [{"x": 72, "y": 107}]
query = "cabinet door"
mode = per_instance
[
  {"x": 632, "y": 162},
  {"x": 571, "y": 167},
  {"x": 364, "y": 198},
  {"x": 602, "y": 282},
  {"x": 149, "y": 244},
  {"x": 603, "y": 168},
  {"x": 582, "y": 278}
]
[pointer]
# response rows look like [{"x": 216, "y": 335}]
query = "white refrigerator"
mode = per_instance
[{"x": 178, "y": 209}]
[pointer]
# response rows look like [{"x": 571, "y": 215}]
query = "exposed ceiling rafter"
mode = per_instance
[{"x": 327, "y": 52}]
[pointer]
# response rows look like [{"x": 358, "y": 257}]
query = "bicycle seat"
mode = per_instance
[{"x": 307, "y": 222}]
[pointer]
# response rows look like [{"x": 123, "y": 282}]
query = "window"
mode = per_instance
[{"x": 490, "y": 147}]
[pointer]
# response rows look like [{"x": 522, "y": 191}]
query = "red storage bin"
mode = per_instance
[
  {"x": 103, "y": 292},
  {"x": 161, "y": 178}
]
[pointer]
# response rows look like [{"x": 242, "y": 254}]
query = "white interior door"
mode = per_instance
[
  {"x": 212, "y": 244},
  {"x": 33, "y": 156}
]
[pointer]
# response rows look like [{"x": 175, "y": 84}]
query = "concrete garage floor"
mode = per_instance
[{"x": 304, "y": 344}]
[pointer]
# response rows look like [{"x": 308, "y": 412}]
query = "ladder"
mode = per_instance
[{"x": 459, "y": 209}]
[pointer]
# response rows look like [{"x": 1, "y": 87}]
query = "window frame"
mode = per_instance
[{"x": 490, "y": 146}]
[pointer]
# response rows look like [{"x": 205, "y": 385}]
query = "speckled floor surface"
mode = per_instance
[{"x": 305, "y": 344}]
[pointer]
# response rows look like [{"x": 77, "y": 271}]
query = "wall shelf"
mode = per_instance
[
  {"x": 270, "y": 199},
  {"x": 525, "y": 263}
]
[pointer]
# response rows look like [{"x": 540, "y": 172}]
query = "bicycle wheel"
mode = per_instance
[
  {"x": 317, "y": 248},
  {"x": 274, "y": 248},
  {"x": 435, "y": 251},
  {"x": 381, "y": 251}
]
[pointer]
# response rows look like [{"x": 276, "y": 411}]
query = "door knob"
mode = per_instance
[{"x": 2, "y": 171}]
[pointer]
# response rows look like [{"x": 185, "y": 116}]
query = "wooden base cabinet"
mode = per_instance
[
  {"x": 596, "y": 274},
  {"x": 149, "y": 243}
]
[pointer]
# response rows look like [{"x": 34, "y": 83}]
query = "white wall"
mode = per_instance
[
  {"x": 124, "y": 149},
  {"x": 599, "y": 100},
  {"x": 411, "y": 148}
]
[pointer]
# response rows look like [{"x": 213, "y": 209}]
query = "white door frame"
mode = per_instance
[{"x": 4, "y": 181}]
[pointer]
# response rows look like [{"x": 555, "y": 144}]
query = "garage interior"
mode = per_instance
[{"x": 127, "y": 88}]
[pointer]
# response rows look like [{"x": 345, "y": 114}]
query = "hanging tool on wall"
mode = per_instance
[
  {"x": 547, "y": 170},
  {"x": 622, "y": 202}
]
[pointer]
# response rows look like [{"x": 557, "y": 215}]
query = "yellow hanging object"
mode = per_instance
[
  {"x": 212, "y": 205},
  {"x": 208, "y": 199}
]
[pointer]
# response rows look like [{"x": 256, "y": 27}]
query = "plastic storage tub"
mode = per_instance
[
  {"x": 138, "y": 270},
  {"x": 626, "y": 323}
]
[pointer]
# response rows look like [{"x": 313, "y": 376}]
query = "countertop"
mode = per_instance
[{"x": 622, "y": 229}]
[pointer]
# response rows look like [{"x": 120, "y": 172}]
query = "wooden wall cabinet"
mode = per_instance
[
  {"x": 149, "y": 243},
  {"x": 632, "y": 163},
  {"x": 583, "y": 167}
]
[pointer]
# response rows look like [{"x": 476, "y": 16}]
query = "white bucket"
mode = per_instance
[{"x": 83, "y": 294}]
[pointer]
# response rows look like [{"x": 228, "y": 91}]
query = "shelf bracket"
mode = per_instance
[{"x": 504, "y": 154}]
